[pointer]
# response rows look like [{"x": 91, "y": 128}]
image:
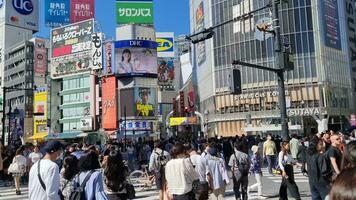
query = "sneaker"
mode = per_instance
[
  {"x": 261, "y": 197},
  {"x": 248, "y": 190},
  {"x": 18, "y": 192}
]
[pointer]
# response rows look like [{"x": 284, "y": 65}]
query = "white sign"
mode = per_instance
[
  {"x": 258, "y": 95},
  {"x": 22, "y": 13},
  {"x": 305, "y": 112},
  {"x": 96, "y": 51},
  {"x": 86, "y": 124},
  {"x": 138, "y": 125}
]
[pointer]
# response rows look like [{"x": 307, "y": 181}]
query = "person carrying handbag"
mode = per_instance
[{"x": 18, "y": 168}]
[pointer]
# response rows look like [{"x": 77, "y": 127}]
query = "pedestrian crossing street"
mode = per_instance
[
  {"x": 8, "y": 193},
  {"x": 298, "y": 176}
]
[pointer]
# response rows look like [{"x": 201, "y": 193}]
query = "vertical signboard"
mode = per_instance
[
  {"x": 23, "y": 14},
  {"x": 136, "y": 12},
  {"x": 331, "y": 25},
  {"x": 165, "y": 44},
  {"x": 109, "y": 105},
  {"x": 108, "y": 57},
  {"x": 145, "y": 101},
  {"x": 40, "y": 108},
  {"x": 81, "y": 10},
  {"x": 97, "y": 51},
  {"x": 165, "y": 72},
  {"x": 199, "y": 26},
  {"x": 57, "y": 12},
  {"x": 40, "y": 62}
]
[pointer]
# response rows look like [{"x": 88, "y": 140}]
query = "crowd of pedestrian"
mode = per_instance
[{"x": 187, "y": 169}]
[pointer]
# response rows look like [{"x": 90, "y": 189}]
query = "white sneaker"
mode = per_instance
[{"x": 261, "y": 197}]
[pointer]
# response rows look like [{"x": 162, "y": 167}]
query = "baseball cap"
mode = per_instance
[{"x": 53, "y": 146}]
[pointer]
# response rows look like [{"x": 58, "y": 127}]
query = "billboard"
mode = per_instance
[
  {"x": 139, "y": 125},
  {"x": 22, "y": 13},
  {"x": 135, "y": 57},
  {"x": 57, "y": 12},
  {"x": 97, "y": 51},
  {"x": 134, "y": 12},
  {"x": 81, "y": 10},
  {"x": 73, "y": 38},
  {"x": 40, "y": 62},
  {"x": 178, "y": 121},
  {"x": 199, "y": 26},
  {"x": 109, "y": 105},
  {"x": 165, "y": 71},
  {"x": 331, "y": 25},
  {"x": 68, "y": 67},
  {"x": 165, "y": 44},
  {"x": 108, "y": 58},
  {"x": 145, "y": 102},
  {"x": 40, "y": 108}
]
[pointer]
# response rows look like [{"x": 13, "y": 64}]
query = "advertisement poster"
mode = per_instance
[
  {"x": 134, "y": 12},
  {"x": 70, "y": 67},
  {"x": 165, "y": 71},
  {"x": 72, "y": 39},
  {"x": 40, "y": 108},
  {"x": 22, "y": 13},
  {"x": 81, "y": 10},
  {"x": 97, "y": 51},
  {"x": 330, "y": 16},
  {"x": 109, "y": 67},
  {"x": 40, "y": 62},
  {"x": 145, "y": 101},
  {"x": 57, "y": 12},
  {"x": 165, "y": 44},
  {"x": 109, "y": 105},
  {"x": 199, "y": 26}
]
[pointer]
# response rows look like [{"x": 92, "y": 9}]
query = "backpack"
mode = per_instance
[
  {"x": 162, "y": 159},
  {"x": 79, "y": 192},
  {"x": 243, "y": 165}
]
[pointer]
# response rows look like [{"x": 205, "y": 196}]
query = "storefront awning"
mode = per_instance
[
  {"x": 39, "y": 136},
  {"x": 64, "y": 135}
]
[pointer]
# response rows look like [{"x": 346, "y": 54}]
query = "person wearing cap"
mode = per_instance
[
  {"x": 47, "y": 171},
  {"x": 256, "y": 170}
]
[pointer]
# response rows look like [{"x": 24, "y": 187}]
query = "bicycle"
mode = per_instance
[{"x": 141, "y": 179}]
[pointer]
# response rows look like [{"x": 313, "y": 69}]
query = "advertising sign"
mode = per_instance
[
  {"x": 40, "y": 62},
  {"x": 178, "y": 121},
  {"x": 2, "y": 10},
  {"x": 134, "y": 12},
  {"x": 97, "y": 51},
  {"x": 57, "y": 12},
  {"x": 86, "y": 124},
  {"x": 109, "y": 105},
  {"x": 40, "y": 108},
  {"x": 109, "y": 67},
  {"x": 135, "y": 57},
  {"x": 145, "y": 102},
  {"x": 165, "y": 44},
  {"x": 199, "y": 26},
  {"x": 165, "y": 71},
  {"x": 81, "y": 10},
  {"x": 71, "y": 39},
  {"x": 138, "y": 125},
  {"x": 23, "y": 14},
  {"x": 68, "y": 67},
  {"x": 330, "y": 16}
]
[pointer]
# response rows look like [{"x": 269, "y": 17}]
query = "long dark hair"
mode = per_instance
[
  {"x": 90, "y": 161},
  {"x": 349, "y": 158},
  {"x": 126, "y": 51},
  {"x": 343, "y": 187},
  {"x": 70, "y": 166},
  {"x": 313, "y": 146},
  {"x": 114, "y": 171}
]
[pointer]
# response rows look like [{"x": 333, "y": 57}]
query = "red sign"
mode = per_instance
[
  {"x": 109, "y": 104},
  {"x": 81, "y": 10},
  {"x": 40, "y": 57}
]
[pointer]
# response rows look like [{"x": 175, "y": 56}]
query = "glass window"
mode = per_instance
[
  {"x": 297, "y": 20},
  {"x": 310, "y": 18},
  {"x": 303, "y": 19},
  {"x": 65, "y": 127}
]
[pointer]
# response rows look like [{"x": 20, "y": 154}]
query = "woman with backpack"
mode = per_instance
[
  {"x": 286, "y": 162},
  {"x": 90, "y": 179},
  {"x": 115, "y": 173},
  {"x": 18, "y": 168},
  {"x": 67, "y": 175}
]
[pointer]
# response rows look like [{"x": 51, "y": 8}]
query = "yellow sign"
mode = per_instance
[
  {"x": 177, "y": 121},
  {"x": 40, "y": 111},
  {"x": 164, "y": 44},
  {"x": 144, "y": 110}
]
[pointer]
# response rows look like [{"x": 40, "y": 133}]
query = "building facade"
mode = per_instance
[{"x": 317, "y": 89}]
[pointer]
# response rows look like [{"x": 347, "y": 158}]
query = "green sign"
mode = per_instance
[{"x": 134, "y": 12}]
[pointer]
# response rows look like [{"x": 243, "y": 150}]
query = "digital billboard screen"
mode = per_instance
[
  {"x": 109, "y": 104},
  {"x": 165, "y": 71},
  {"x": 145, "y": 102}
]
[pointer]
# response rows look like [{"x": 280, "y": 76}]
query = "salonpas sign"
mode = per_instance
[{"x": 132, "y": 12}]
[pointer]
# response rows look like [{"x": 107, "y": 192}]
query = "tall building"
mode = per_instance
[{"x": 318, "y": 90}]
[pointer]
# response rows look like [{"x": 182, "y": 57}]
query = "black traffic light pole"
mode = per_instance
[{"x": 279, "y": 56}]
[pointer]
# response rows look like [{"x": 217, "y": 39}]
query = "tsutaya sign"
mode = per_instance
[
  {"x": 258, "y": 95},
  {"x": 306, "y": 112}
]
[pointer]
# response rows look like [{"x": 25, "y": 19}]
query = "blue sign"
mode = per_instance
[
  {"x": 135, "y": 43},
  {"x": 24, "y": 7},
  {"x": 57, "y": 12},
  {"x": 165, "y": 44}
]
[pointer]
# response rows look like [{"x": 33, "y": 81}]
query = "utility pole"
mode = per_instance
[
  {"x": 125, "y": 126},
  {"x": 3, "y": 116}
]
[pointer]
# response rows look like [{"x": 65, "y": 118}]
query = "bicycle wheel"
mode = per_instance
[{"x": 139, "y": 180}]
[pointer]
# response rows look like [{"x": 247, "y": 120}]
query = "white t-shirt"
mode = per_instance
[
  {"x": 49, "y": 172},
  {"x": 34, "y": 157},
  {"x": 20, "y": 160},
  {"x": 200, "y": 165}
]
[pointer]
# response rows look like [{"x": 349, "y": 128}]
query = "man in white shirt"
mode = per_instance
[
  {"x": 49, "y": 174},
  {"x": 35, "y": 156}
]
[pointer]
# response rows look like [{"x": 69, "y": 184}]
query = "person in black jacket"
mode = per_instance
[{"x": 319, "y": 171}]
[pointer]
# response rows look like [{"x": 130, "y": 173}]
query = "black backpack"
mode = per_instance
[
  {"x": 242, "y": 165},
  {"x": 79, "y": 191}
]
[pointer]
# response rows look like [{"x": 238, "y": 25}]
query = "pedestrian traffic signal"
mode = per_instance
[{"x": 235, "y": 82}]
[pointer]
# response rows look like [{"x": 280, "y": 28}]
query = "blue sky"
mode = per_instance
[{"x": 169, "y": 16}]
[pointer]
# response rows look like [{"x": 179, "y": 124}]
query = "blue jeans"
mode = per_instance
[
  {"x": 319, "y": 191},
  {"x": 271, "y": 159}
]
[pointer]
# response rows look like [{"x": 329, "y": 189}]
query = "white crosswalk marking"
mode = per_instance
[
  {"x": 8, "y": 193},
  {"x": 298, "y": 177}
]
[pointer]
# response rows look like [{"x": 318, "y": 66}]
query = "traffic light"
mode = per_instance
[
  {"x": 288, "y": 61},
  {"x": 204, "y": 35},
  {"x": 235, "y": 82}
]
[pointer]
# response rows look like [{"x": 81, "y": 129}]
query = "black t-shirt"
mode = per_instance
[{"x": 334, "y": 152}]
